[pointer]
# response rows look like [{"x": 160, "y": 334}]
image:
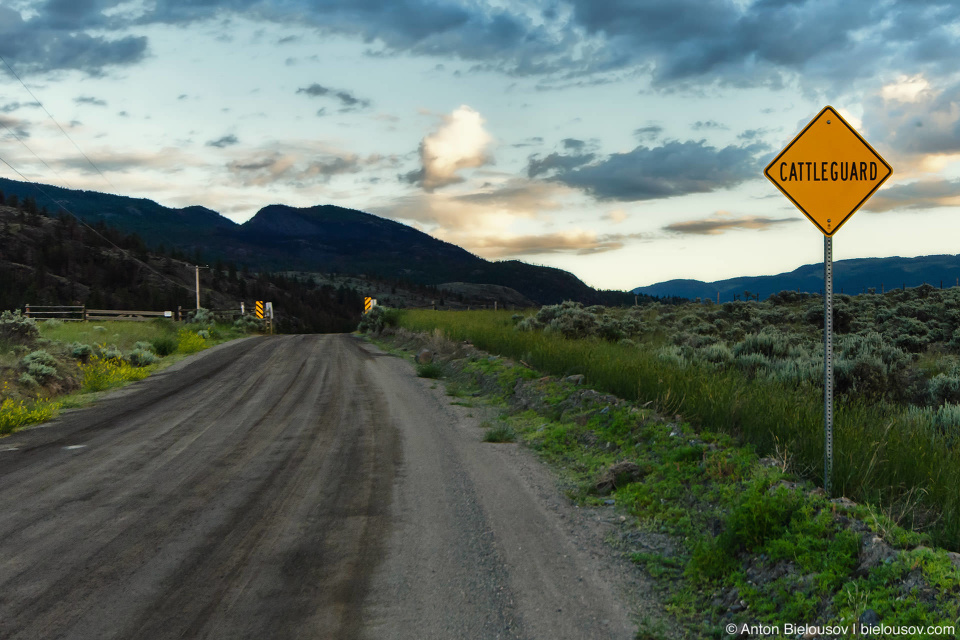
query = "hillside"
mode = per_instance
[
  {"x": 58, "y": 261},
  {"x": 854, "y": 276},
  {"x": 319, "y": 239}
]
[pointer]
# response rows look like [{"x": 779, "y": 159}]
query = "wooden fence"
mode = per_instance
[{"x": 81, "y": 313}]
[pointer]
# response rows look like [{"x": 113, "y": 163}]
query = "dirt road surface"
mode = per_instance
[{"x": 289, "y": 487}]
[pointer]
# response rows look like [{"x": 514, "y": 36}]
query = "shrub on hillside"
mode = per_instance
[
  {"x": 164, "y": 345},
  {"x": 17, "y": 328},
  {"x": 40, "y": 365},
  {"x": 141, "y": 357},
  {"x": 80, "y": 351}
]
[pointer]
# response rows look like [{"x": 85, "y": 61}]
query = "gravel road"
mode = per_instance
[{"x": 290, "y": 487}]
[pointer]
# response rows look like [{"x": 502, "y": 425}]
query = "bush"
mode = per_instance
[
  {"x": 164, "y": 345},
  {"x": 17, "y": 328},
  {"x": 14, "y": 415},
  {"x": 53, "y": 323},
  {"x": 110, "y": 353},
  {"x": 40, "y": 365},
  {"x": 80, "y": 351},
  {"x": 375, "y": 320},
  {"x": 203, "y": 333},
  {"x": 104, "y": 373},
  {"x": 28, "y": 380},
  {"x": 190, "y": 342},
  {"x": 202, "y": 316},
  {"x": 143, "y": 345},
  {"x": 248, "y": 323},
  {"x": 141, "y": 357}
]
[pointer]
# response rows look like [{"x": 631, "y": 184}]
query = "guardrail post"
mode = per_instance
[
  {"x": 27, "y": 307},
  {"x": 83, "y": 313}
]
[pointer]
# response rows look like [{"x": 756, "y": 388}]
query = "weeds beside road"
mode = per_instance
[
  {"x": 49, "y": 365},
  {"x": 733, "y": 538}
]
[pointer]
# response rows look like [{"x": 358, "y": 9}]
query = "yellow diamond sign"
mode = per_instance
[{"x": 828, "y": 171}]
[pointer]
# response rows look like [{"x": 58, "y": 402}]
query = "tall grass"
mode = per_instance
[{"x": 880, "y": 455}]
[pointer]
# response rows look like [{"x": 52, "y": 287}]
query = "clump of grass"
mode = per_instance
[
  {"x": 17, "y": 414},
  {"x": 500, "y": 433},
  {"x": 106, "y": 373},
  {"x": 430, "y": 370}
]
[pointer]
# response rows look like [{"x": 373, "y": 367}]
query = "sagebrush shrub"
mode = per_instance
[
  {"x": 17, "y": 328},
  {"x": 141, "y": 357},
  {"x": 80, "y": 351}
]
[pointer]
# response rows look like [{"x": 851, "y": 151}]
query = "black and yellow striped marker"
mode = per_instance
[
  {"x": 259, "y": 305},
  {"x": 367, "y": 304}
]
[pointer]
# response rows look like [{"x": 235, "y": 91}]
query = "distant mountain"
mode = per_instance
[
  {"x": 321, "y": 239},
  {"x": 849, "y": 276}
]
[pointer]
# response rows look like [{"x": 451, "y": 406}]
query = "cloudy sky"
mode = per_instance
[{"x": 621, "y": 140}]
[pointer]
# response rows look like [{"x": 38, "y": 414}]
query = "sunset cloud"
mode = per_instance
[
  {"x": 459, "y": 143},
  {"x": 721, "y": 222}
]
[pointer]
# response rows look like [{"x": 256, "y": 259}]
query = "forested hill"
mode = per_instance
[
  {"x": 319, "y": 239},
  {"x": 58, "y": 261}
]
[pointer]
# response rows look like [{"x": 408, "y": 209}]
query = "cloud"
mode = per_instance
[
  {"x": 766, "y": 41},
  {"x": 616, "y": 216},
  {"x": 556, "y": 162},
  {"x": 225, "y": 141},
  {"x": 10, "y": 107},
  {"x": 459, "y": 143},
  {"x": 915, "y": 118},
  {"x": 721, "y": 223},
  {"x": 648, "y": 133},
  {"x": 97, "y": 102},
  {"x": 348, "y": 101},
  {"x": 291, "y": 168},
  {"x": 52, "y": 39},
  {"x": 573, "y": 241},
  {"x": 922, "y": 194},
  {"x": 15, "y": 126},
  {"x": 493, "y": 207},
  {"x": 648, "y": 173},
  {"x": 700, "y": 125},
  {"x": 573, "y": 143}
]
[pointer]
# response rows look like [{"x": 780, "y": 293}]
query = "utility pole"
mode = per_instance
[{"x": 197, "y": 269}]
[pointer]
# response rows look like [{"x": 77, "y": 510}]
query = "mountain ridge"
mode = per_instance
[
  {"x": 852, "y": 276},
  {"x": 321, "y": 239}
]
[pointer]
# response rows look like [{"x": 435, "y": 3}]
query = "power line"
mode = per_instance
[
  {"x": 50, "y": 115},
  {"x": 27, "y": 147},
  {"x": 97, "y": 233}
]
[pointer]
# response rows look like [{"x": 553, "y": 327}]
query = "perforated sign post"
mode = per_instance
[{"x": 828, "y": 171}]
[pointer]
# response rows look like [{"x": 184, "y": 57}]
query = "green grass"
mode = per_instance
[
  {"x": 879, "y": 456},
  {"x": 120, "y": 333},
  {"x": 500, "y": 433},
  {"x": 725, "y": 514},
  {"x": 431, "y": 370}
]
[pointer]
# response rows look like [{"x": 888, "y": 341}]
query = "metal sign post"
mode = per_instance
[
  {"x": 828, "y": 363},
  {"x": 828, "y": 171}
]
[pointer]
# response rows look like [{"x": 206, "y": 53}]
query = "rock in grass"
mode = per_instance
[
  {"x": 617, "y": 475},
  {"x": 575, "y": 379},
  {"x": 425, "y": 356},
  {"x": 873, "y": 552}
]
